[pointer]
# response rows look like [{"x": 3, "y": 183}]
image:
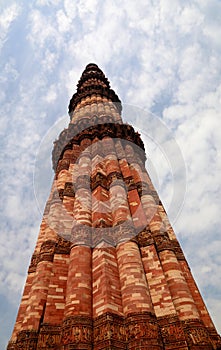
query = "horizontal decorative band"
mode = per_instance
[
  {"x": 119, "y": 332},
  {"x": 76, "y": 132},
  {"x": 47, "y": 251}
]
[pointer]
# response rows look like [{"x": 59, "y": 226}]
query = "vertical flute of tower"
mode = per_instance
[
  {"x": 128, "y": 256},
  {"x": 106, "y": 286},
  {"x": 79, "y": 287}
]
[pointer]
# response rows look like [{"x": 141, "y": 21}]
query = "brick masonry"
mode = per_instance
[{"x": 107, "y": 271}]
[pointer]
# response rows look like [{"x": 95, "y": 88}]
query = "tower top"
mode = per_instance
[{"x": 93, "y": 82}]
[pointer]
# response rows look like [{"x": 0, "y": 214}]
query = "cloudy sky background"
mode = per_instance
[{"x": 160, "y": 56}]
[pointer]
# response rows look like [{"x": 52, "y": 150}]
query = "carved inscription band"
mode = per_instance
[{"x": 110, "y": 331}]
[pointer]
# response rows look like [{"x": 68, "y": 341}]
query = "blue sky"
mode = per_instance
[{"x": 160, "y": 56}]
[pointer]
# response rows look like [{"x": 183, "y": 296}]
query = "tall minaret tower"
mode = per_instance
[{"x": 107, "y": 271}]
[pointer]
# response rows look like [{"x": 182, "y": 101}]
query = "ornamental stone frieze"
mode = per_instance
[{"x": 74, "y": 135}]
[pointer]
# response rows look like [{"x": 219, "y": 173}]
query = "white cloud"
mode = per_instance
[
  {"x": 7, "y": 17},
  {"x": 48, "y": 2},
  {"x": 63, "y": 20},
  {"x": 9, "y": 72},
  {"x": 70, "y": 8},
  {"x": 49, "y": 61},
  {"x": 190, "y": 19},
  {"x": 43, "y": 33},
  {"x": 51, "y": 94}
]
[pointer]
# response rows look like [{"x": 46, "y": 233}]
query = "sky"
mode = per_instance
[{"x": 162, "y": 58}]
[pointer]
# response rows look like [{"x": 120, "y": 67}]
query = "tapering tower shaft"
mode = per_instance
[{"x": 107, "y": 271}]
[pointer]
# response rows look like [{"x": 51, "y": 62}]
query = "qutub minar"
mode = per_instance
[{"x": 107, "y": 271}]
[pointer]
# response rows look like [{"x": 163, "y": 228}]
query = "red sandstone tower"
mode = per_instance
[{"x": 107, "y": 271}]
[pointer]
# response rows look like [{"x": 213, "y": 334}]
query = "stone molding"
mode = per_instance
[
  {"x": 93, "y": 236},
  {"x": 144, "y": 238},
  {"x": 78, "y": 331},
  {"x": 162, "y": 241},
  {"x": 84, "y": 181},
  {"x": 172, "y": 332},
  {"x": 177, "y": 250},
  {"x": 34, "y": 262},
  {"x": 81, "y": 235},
  {"x": 62, "y": 246},
  {"x": 49, "y": 337},
  {"x": 76, "y": 133},
  {"x": 197, "y": 335},
  {"x": 112, "y": 331},
  {"x": 143, "y": 331},
  {"x": 26, "y": 340},
  {"x": 47, "y": 251}
]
